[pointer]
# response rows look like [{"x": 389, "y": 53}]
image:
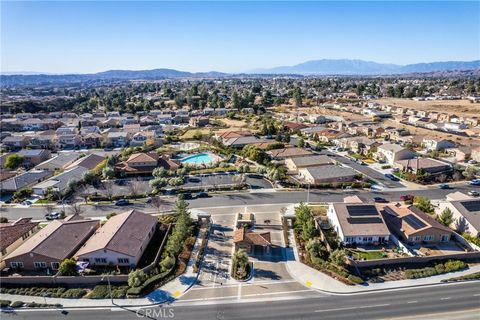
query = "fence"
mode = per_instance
[
  {"x": 159, "y": 252},
  {"x": 411, "y": 260}
]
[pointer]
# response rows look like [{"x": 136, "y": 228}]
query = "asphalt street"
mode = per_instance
[
  {"x": 413, "y": 303},
  {"x": 246, "y": 198}
]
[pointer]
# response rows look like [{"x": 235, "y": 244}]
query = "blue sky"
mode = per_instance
[{"x": 67, "y": 36}]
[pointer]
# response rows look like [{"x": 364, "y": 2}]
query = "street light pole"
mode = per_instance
[
  {"x": 109, "y": 288},
  {"x": 308, "y": 193}
]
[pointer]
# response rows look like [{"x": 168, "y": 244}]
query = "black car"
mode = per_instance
[
  {"x": 187, "y": 196},
  {"x": 122, "y": 202},
  {"x": 202, "y": 195},
  {"x": 380, "y": 200}
]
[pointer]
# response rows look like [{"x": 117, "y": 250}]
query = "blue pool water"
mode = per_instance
[{"x": 200, "y": 158}]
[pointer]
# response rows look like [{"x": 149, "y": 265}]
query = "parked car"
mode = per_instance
[
  {"x": 444, "y": 186},
  {"x": 472, "y": 161},
  {"x": 391, "y": 177},
  {"x": 380, "y": 200},
  {"x": 473, "y": 193},
  {"x": 53, "y": 215},
  {"x": 475, "y": 182},
  {"x": 194, "y": 179},
  {"x": 187, "y": 196},
  {"x": 202, "y": 195},
  {"x": 122, "y": 202},
  {"x": 407, "y": 197}
]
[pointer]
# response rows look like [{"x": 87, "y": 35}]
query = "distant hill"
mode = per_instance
[
  {"x": 361, "y": 67},
  {"x": 314, "y": 67}
]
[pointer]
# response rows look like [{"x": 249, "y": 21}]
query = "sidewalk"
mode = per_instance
[
  {"x": 319, "y": 281},
  {"x": 167, "y": 293}
]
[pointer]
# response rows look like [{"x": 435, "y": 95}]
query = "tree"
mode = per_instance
[
  {"x": 76, "y": 209},
  {"x": 423, "y": 204},
  {"x": 135, "y": 187},
  {"x": 3, "y": 220},
  {"x": 300, "y": 142},
  {"x": 446, "y": 217},
  {"x": 297, "y": 97},
  {"x": 136, "y": 278},
  {"x": 160, "y": 172},
  {"x": 110, "y": 215},
  {"x": 339, "y": 257},
  {"x": 108, "y": 172},
  {"x": 240, "y": 264},
  {"x": 470, "y": 172},
  {"x": 316, "y": 249},
  {"x": 13, "y": 161},
  {"x": 108, "y": 187},
  {"x": 68, "y": 267},
  {"x": 157, "y": 203},
  {"x": 276, "y": 173}
]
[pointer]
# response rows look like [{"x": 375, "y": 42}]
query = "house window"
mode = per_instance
[
  {"x": 40, "y": 265},
  {"x": 428, "y": 238},
  {"x": 123, "y": 260},
  {"x": 445, "y": 237},
  {"x": 365, "y": 239},
  {"x": 55, "y": 265},
  {"x": 25, "y": 236},
  {"x": 418, "y": 238},
  {"x": 16, "y": 265},
  {"x": 100, "y": 260}
]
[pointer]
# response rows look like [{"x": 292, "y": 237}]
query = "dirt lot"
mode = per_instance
[
  {"x": 234, "y": 123},
  {"x": 452, "y": 106}
]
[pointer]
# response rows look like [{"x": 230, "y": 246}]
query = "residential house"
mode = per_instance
[
  {"x": 89, "y": 162},
  {"x": 327, "y": 174},
  {"x": 47, "y": 248},
  {"x": 429, "y": 165},
  {"x": 475, "y": 154},
  {"x": 362, "y": 145},
  {"x": 144, "y": 164},
  {"x": 413, "y": 226},
  {"x": 432, "y": 143},
  {"x": 252, "y": 242},
  {"x": 116, "y": 139},
  {"x": 293, "y": 126},
  {"x": 15, "y": 233},
  {"x": 121, "y": 241},
  {"x": 16, "y": 142},
  {"x": 42, "y": 140},
  {"x": 92, "y": 140},
  {"x": 33, "y": 157},
  {"x": 358, "y": 223},
  {"x": 466, "y": 215},
  {"x": 24, "y": 180},
  {"x": 297, "y": 163},
  {"x": 67, "y": 140},
  {"x": 391, "y": 153},
  {"x": 198, "y": 121},
  {"x": 284, "y": 153},
  {"x": 59, "y": 183},
  {"x": 58, "y": 162}
]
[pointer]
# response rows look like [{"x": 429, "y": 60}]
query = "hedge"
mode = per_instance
[
  {"x": 101, "y": 291},
  {"x": 473, "y": 276},
  {"x": 136, "y": 291},
  {"x": 355, "y": 279},
  {"x": 5, "y": 303},
  {"x": 17, "y": 304},
  {"x": 439, "y": 268}
]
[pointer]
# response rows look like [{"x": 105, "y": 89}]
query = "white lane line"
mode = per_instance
[
  {"x": 476, "y": 295},
  {"x": 352, "y": 308},
  {"x": 413, "y": 301},
  {"x": 447, "y": 298},
  {"x": 239, "y": 292}
]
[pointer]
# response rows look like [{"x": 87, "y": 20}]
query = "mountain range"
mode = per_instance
[
  {"x": 362, "y": 67},
  {"x": 314, "y": 67}
]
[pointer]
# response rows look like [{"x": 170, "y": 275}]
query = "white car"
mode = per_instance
[
  {"x": 53, "y": 215},
  {"x": 473, "y": 193}
]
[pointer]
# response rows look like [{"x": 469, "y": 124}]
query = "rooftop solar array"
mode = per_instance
[
  {"x": 414, "y": 222},
  {"x": 364, "y": 220},
  {"x": 472, "y": 206},
  {"x": 362, "y": 210}
]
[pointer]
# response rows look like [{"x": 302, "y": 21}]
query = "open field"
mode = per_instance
[
  {"x": 191, "y": 132},
  {"x": 451, "y": 106},
  {"x": 233, "y": 123}
]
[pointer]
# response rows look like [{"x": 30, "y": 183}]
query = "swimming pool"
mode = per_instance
[{"x": 199, "y": 159}]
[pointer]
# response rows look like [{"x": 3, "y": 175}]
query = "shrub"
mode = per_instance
[
  {"x": 68, "y": 267},
  {"x": 17, "y": 304},
  {"x": 5, "y": 303},
  {"x": 73, "y": 293},
  {"x": 355, "y": 279},
  {"x": 99, "y": 292},
  {"x": 136, "y": 278}
]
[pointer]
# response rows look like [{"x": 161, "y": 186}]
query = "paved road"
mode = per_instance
[
  {"x": 246, "y": 198},
  {"x": 437, "y": 302},
  {"x": 369, "y": 172}
]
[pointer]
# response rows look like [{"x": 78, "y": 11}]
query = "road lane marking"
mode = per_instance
[
  {"x": 447, "y": 298},
  {"x": 352, "y": 308},
  {"x": 476, "y": 295},
  {"x": 413, "y": 301}
]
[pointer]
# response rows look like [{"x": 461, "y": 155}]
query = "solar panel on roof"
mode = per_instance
[
  {"x": 363, "y": 210},
  {"x": 472, "y": 206},
  {"x": 414, "y": 222},
  {"x": 364, "y": 220}
]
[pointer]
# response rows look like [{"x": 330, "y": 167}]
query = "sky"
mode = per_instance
[{"x": 93, "y": 36}]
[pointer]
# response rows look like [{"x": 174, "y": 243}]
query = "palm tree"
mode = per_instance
[{"x": 240, "y": 263}]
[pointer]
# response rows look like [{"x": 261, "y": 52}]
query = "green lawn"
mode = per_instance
[{"x": 368, "y": 255}]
